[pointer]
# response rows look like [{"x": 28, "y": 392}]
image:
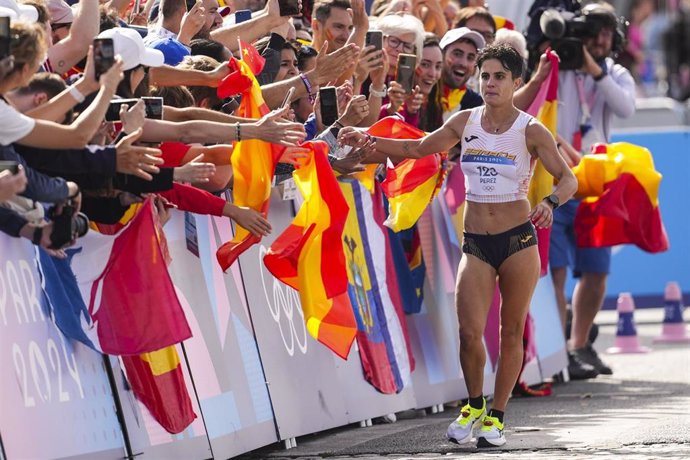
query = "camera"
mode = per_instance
[
  {"x": 567, "y": 29},
  {"x": 66, "y": 224}
]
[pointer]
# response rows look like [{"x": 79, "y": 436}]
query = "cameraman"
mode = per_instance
[{"x": 588, "y": 99}]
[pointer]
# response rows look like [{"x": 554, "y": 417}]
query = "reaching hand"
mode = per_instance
[
  {"x": 356, "y": 111},
  {"x": 352, "y": 137},
  {"x": 414, "y": 101},
  {"x": 343, "y": 94},
  {"x": 139, "y": 161},
  {"x": 360, "y": 20},
  {"x": 11, "y": 184},
  {"x": 396, "y": 96},
  {"x": 251, "y": 220},
  {"x": 369, "y": 61},
  {"x": 543, "y": 68},
  {"x": 133, "y": 118},
  {"x": 294, "y": 155},
  {"x": 352, "y": 161},
  {"x": 195, "y": 171},
  {"x": 330, "y": 66},
  {"x": 192, "y": 22},
  {"x": 114, "y": 75},
  {"x": 274, "y": 128}
]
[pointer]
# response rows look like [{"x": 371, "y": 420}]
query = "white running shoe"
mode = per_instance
[
  {"x": 491, "y": 433},
  {"x": 460, "y": 430}
]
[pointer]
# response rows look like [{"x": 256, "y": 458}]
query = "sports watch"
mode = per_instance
[{"x": 553, "y": 201}]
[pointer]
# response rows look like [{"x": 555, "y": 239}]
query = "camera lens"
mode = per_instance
[{"x": 81, "y": 224}]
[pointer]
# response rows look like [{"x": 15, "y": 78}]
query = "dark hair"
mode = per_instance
[
  {"x": 322, "y": 10},
  {"x": 431, "y": 117},
  {"x": 124, "y": 89},
  {"x": 41, "y": 8},
  {"x": 304, "y": 52},
  {"x": 174, "y": 96},
  {"x": 261, "y": 44},
  {"x": 206, "y": 47},
  {"x": 49, "y": 83},
  {"x": 168, "y": 8},
  {"x": 469, "y": 12},
  {"x": 506, "y": 55}
]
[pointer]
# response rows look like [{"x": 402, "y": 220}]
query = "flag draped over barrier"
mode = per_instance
[
  {"x": 132, "y": 301},
  {"x": 412, "y": 184},
  {"x": 308, "y": 255},
  {"x": 621, "y": 206},
  {"x": 253, "y": 164},
  {"x": 545, "y": 108},
  {"x": 157, "y": 381}
]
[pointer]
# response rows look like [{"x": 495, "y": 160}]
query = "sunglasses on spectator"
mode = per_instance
[{"x": 396, "y": 43}]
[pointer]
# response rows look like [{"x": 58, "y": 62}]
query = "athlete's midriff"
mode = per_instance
[{"x": 493, "y": 218}]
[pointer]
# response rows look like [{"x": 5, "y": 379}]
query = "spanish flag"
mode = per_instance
[
  {"x": 253, "y": 164},
  {"x": 412, "y": 184},
  {"x": 157, "y": 381},
  {"x": 621, "y": 206},
  {"x": 545, "y": 108},
  {"x": 309, "y": 257}
]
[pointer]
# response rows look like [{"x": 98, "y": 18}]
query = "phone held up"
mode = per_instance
[
  {"x": 103, "y": 55},
  {"x": 289, "y": 7},
  {"x": 11, "y": 166},
  {"x": 4, "y": 37},
  {"x": 329, "y": 105},
  {"x": 375, "y": 39},
  {"x": 405, "y": 73},
  {"x": 242, "y": 16},
  {"x": 154, "y": 108}
]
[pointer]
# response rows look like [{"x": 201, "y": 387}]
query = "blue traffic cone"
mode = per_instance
[{"x": 626, "y": 333}]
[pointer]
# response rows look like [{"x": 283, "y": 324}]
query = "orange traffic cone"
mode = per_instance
[
  {"x": 626, "y": 334},
  {"x": 673, "y": 329}
]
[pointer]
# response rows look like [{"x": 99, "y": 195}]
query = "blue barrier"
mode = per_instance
[{"x": 635, "y": 271}]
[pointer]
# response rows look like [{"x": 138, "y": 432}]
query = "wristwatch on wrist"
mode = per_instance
[
  {"x": 553, "y": 201},
  {"x": 382, "y": 93}
]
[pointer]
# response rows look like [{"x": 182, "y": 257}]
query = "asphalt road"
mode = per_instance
[{"x": 641, "y": 411}]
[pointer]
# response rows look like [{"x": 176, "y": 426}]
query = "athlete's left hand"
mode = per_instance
[{"x": 542, "y": 215}]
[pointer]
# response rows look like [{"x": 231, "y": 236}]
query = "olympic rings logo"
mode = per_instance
[
  {"x": 488, "y": 188},
  {"x": 283, "y": 302}
]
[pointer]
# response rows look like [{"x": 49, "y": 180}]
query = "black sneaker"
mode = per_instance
[
  {"x": 589, "y": 355},
  {"x": 578, "y": 369}
]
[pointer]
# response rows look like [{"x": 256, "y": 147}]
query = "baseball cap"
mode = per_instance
[
  {"x": 13, "y": 10},
  {"x": 454, "y": 35},
  {"x": 60, "y": 12},
  {"x": 130, "y": 46}
]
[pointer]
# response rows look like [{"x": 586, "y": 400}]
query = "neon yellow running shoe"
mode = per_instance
[
  {"x": 491, "y": 433},
  {"x": 460, "y": 430}
]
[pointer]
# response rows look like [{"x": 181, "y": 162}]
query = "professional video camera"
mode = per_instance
[
  {"x": 567, "y": 29},
  {"x": 66, "y": 225}
]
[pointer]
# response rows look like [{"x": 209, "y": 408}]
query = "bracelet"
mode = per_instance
[
  {"x": 308, "y": 87},
  {"x": 375, "y": 93},
  {"x": 238, "y": 134},
  {"x": 339, "y": 124},
  {"x": 76, "y": 94}
]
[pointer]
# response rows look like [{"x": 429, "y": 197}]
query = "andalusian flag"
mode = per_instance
[
  {"x": 621, "y": 206},
  {"x": 253, "y": 164},
  {"x": 412, "y": 184},
  {"x": 308, "y": 256},
  {"x": 545, "y": 108}
]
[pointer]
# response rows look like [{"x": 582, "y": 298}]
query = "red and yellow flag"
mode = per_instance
[
  {"x": 545, "y": 108},
  {"x": 253, "y": 164},
  {"x": 308, "y": 256},
  {"x": 621, "y": 206},
  {"x": 412, "y": 184},
  {"x": 157, "y": 381}
]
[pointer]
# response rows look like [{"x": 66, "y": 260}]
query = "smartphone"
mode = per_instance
[
  {"x": 405, "y": 74},
  {"x": 329, "y": 105},
  {"x": 4, "y": 37},
  {"x": 289, "y": 7},
  {"x": 288, "y": 97},
  {"x": 375, "y": 38},
  {"x": 11, "y": 166},
  {"x": 103, "y": 55},
  {"x": 242, "y": 15},
  {"x": 113, "y": 112},
  {"x": 154, "y": 107},
  {"x": 230, "y": 105}
]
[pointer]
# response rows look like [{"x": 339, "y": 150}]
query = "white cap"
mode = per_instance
[
  {"x": 454, "y": 35},
  {"x": 130, "y": 46},
  {"x": 13, "y": 10},
  {"x": 60, "y": 12}
]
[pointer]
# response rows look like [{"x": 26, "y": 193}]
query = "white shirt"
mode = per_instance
[{"x": 14, "y": 125}]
